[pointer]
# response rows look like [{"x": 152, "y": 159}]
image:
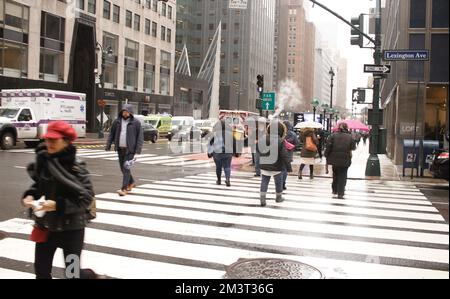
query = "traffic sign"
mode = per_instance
[
  {"x": 406, "y": 55},
  {"x": 377, "y": 69},
  {"x": 268, "y": 101},
  {"x": 359, "y": 95}
]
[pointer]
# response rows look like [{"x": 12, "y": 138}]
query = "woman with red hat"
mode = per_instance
[{"x": 59, "y": 200}]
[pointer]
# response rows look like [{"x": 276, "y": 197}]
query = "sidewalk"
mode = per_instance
[{"x": 389, "y": 171}]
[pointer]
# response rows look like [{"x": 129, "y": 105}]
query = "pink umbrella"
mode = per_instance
[{"x": 353, "y": 124}]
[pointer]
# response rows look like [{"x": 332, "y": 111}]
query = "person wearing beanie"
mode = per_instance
[
  {"x": 128, "y": 138},
  {"x": 59, "y": 199}
]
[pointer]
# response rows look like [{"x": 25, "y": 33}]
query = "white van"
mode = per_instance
[{"x": 26, "y": 113}]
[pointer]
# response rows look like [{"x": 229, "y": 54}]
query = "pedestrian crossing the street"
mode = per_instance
[
  {"x": 148, "y": 159},
  {"x": 191, "y": 228}
]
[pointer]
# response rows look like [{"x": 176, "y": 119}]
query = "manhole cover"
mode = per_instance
[{"x": 271, "y": 269}]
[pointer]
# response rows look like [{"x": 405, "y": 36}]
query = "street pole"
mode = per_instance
[
  {"x": 416, "y": 120},
  {"x": 332, "y": 74},
  {"x": 314, "y": 115},
  {"x": 373, "y": 167},
  {"x": 101, "y": 135}
]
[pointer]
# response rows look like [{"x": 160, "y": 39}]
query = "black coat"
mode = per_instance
[
  {"x": 339, "y": 149},
  {"x": 135, "y": 136},
  {"x": 61, "y": 178}
]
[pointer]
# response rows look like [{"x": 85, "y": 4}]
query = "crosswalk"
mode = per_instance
[
  {"x": 147, "y": 159},
  {"x": 191, "y": 228}
]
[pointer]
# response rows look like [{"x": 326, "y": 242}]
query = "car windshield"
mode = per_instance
[
  {"x": 177, "y": 122},
  {"x": 8, "y": 113},
  {"x": 152, "y": 122}
]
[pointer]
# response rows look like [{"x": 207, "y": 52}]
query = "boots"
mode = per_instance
[
  {"x": 262, "y": 198},
  {"x": 280, "y": 198},
  {"x": 228, "y": 183},
  {"x": 300, "y": 176},
  {"x": 219, "y": 181}
]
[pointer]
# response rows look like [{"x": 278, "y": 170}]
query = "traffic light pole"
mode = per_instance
[{"x": 373, "y": 164}]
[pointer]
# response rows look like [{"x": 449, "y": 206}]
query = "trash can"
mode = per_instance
[
  {"x": 411, "y": 155},
  {"x": 428, "y": 148}
]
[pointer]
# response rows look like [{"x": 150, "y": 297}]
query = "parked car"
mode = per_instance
[
  {"x": 150, "y": 132},
  {"x": 439, "y": 168}
]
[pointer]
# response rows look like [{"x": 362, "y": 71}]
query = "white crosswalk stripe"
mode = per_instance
[
  {"x": 149, "y": 159},
  {"x": 192, "y": 228}
]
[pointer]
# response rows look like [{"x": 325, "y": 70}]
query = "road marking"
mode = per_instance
[{"x": 20, "y": 167}]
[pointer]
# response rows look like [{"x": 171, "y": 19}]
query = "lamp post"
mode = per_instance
[
  {"x": 315, "y": 103},
  {"x": 325, "y": 108},
  {"x": 332, "y": 74},
  {"x": 108, "y": 51}
]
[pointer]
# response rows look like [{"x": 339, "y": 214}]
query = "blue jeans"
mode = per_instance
[
  {"x": 223, "y": 161},
  {"x": 285, "y": 175},
  {"x": 127, "y": 177},
  {"x": 265, "y": 180},
  {"x": 257, "y": 163}
]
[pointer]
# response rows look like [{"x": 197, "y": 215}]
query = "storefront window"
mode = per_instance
[{"x": 436, "y": 112}]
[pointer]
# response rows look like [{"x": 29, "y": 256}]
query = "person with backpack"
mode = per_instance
[
  {"x": 291, "y": 143},
  {"x": 308, "y": 153},
  {"x": 274, "y": 159},
  {"x": 59, "y": 200}
]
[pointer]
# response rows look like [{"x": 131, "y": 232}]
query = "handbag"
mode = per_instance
[
  {"x": 310, "y": 145},
  {"x": 39, "y": 234},
  {"x": 289, "y": 146}
]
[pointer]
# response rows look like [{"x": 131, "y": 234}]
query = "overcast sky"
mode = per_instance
[{"x": 338, "y": 33}]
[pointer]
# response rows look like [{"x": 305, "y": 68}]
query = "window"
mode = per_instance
[
  {"x": 92, "y": 6},
  {"x": 164, "y": 9},
  {"x": 129, "y": 19},
  {"x": 418, "y": 13},
  {"x": 51, "y": 64},
  {"x": 111, "y": 67},
  {"x": 169, "y": 35},
  {"x": 149, "y": 69},
  {"x": 116, "y": 14},
  {"x": 154, "y": 29},
  {"x": 155, "y": 5},
  {"x": 131, "y": 65},
  {"x": 137, "y": 22},
  {"x": 440, "y": 14},
  {"x": 163, "y": 33},
  {"x": 439, "y": 58},
  {"x": 25, "y": 115},
  {"x": 106, "y": 9},
  {"x": 169, "y": 12},
  {"x": 164, "y": 86},
  {"x": 14, "y": 23},
  {"x": 148, "y": 4},
  {"x": 80, "y": 4},
  {"x": 148, "y": 26},
  {"x": 416, "y": 68}
]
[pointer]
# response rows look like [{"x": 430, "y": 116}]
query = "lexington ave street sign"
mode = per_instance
[
  {"x": 377, "y": 69},
  {"x": 406, "y": 55}
]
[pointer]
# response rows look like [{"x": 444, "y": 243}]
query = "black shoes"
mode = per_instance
[
  {"x": 300, "y": 176},
  {"x": 228, "y": 183},
  {"x": 219, "y": 182},
  {"x": 263, "y": 200}
]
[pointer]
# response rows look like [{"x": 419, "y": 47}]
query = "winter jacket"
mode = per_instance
[
  {"x": 278, "y": 163},
  {"x": 63, "y": 179},
  {"x": 339, "y": 149},
  {"x": 135, "y": 134},
  {"x": 223, "y": 142},
  {"x": 306, "y": 153}
]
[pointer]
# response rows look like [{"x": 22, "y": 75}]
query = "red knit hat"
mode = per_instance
[{"x": 60, "y": 129}]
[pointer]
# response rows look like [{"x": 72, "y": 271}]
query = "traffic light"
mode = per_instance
[
  {"x": 260, "y": 83},
  {"x": 357, "y": 38}
]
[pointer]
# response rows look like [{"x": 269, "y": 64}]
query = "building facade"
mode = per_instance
[
  {"x": 416, "y": 24},
  {"x": 59, "y": 44},
  {"x": 295, "y": 38},
  {"x": 341, "y": 84},
  {"x": 247, "y": 44}
]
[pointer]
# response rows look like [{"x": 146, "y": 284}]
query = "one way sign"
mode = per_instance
[{"x": 377, "y": 69}]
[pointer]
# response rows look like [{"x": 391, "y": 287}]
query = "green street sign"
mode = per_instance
[{"x": 268, "y": 101}]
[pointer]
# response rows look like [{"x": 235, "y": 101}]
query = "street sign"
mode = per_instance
[
  {"x": 359, "y": 95},
  {"x": 377, "y": 69},
  {"x": 268, "y": 101},
  {"x": 406, "y": 55},
  {"x": 105, "y": 118}
]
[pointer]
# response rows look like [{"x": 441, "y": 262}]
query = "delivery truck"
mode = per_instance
[{"x": 26, "y": 113}]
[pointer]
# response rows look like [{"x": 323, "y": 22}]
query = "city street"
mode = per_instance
[{"x": 179, "y": 224}]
